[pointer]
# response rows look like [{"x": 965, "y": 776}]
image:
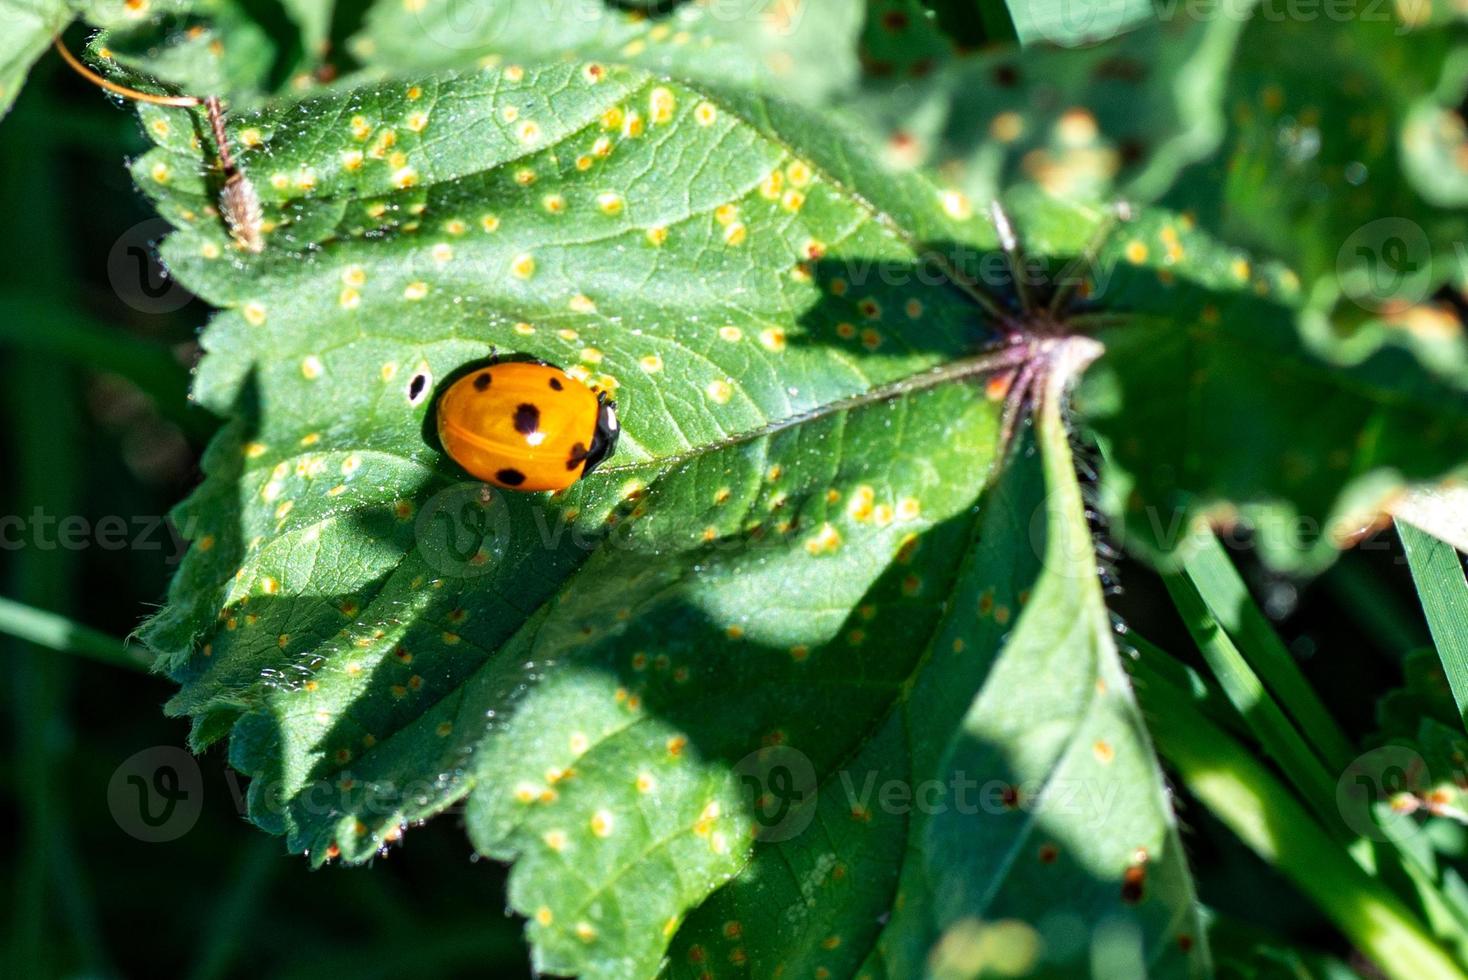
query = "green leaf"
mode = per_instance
[
  {"x": 794, "y": 498},
  {"x": 1001, "y": 800},
  {"x": 1217, "y": 406},
  {"x": 1072, "y": 23},
  {"x": 1124, "y": 116},
  {"x": 26, "y": 30},
  {"x": 908, "y": 38},
  {"x": 313, "y": 17},
  {"x": 1437, "y": 571},
  {"x": 184, "y": 47},
  {"x": 804, "y": 52},
  {"x": 1424, "y": 695},
  {"x": 1334, "y": 163},
  {"x": 904, "y": 39}
]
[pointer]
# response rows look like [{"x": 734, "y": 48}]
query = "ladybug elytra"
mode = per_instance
[{"x": 526, "y": 426}]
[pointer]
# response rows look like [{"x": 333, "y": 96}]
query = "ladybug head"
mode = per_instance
[{"x": 604, "y": 440}]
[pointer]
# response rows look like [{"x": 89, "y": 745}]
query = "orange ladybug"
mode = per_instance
[{"x": 526, "y": 426}]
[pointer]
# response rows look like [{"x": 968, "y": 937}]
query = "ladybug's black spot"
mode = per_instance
[
  {"x": 510, "y": 477},
  {"x": 527, "y": 419},
  {"x": 481, "y": 382},
  {"x": 556, "y": 385},
  {"x": 577, "y": 457}
]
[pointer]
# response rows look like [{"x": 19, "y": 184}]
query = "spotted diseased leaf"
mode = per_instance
[
  {"x": 182, "y": 47},
  {"x": 1348, "y": 164},
  {"x": 902, "y": 39},
  {"x": 802, "y": 51},
  {"x": 983, "y": 797},
  {"x": 806, "y": 491},
  {"x": 26, "y": 29},
  {"x": 205, "y": 47},
  {"x": 1219, "y": 402},
  {"x": 1124, "y": 116}
]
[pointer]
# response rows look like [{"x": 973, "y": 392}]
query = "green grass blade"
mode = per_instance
[
  {"x": 1149, "y": 661},
  {"x": 1437, "y": 570},
  {"x": 1154, "y": 668},
  {"x": 46, "y": 629},
  {"x": 1266, "y": 816},
  {"x": 1248, "y": 694},
  {"x": 1222, "y": 589}
]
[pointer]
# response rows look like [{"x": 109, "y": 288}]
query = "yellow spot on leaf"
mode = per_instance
[
  {"x": 957, "y": 205},
  {"x": 826, "y": 540},
  {"x": 660, "y": 105}
]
